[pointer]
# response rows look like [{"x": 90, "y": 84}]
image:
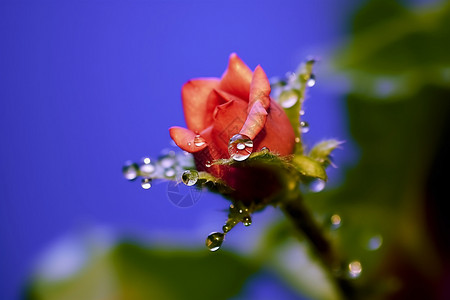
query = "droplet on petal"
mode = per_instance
[
  {"x": 207, "y": 164},
  {"x": 130, "y": 171},
  {"x": 214, "y": 241},
  {"x": 305, "y": 126},
  {"x": 189, "y": 177},
  {"x": 199, "y": 141},
  {"x": 240, "y": 147},
  {"x": 146, "y": 183}
]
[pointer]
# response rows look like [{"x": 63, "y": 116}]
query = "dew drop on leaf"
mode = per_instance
[
  {"x": 240, "y": 147},
  {"x": 189, "y": 177},
  {"x": 214, "y": 241}
]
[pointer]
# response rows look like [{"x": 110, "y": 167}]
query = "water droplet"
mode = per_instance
[
  {"x": 240, "y": 147},
  {"x": 146, "y": 168},
  {"x": 311, "y": 81},
  {"x": 199, "y": 141},
  {"x": 146, "y": 183},
  {"x": 189, "y": 177},
  {"x": 167, "y": 161},
  {"x": 297, "y": 140},
  {"x": 289, "y": 102},
  {"x": 247, "y": 221},
  {"x": 207, "y": 164},
  {"x": 316, "y": 185},
  {"x": 354, "y": 269},
  {"x": 130, "y": 170},
  {"x": 305, "y": 126},
  {"x": 265, "y": 149},
  {"x": 375, "y": 243},
  {"x": 302, "y": 112},
  {"x": 214, "y": 241},
  {"x": 169, "y": 173},
  {"x": 335, "y": 221}
]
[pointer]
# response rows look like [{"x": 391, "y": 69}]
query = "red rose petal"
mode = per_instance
[
  {"x": 185, "y": 139},
  {"x": 228, "y": 121},
  {"x": 237, "y": 78},
  {"x": 259, "y": 89},
  {"x": 195, "y": 95},
  {"x": 255, "y": 122}
]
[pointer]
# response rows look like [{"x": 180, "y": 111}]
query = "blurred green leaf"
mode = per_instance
[{"x": 133, "y": 272}]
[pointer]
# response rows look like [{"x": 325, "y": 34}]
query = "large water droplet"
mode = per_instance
[
  {"x": 130, "y": 170},
  {"x": 207, "y": 164},
  {"x": 247, "y": 221},
  {"x": 304, "y": 126},
  {"x": 311, "y": 81},
  {"x": 240, "y": 147},
  {"x": 189, "y": 177},
  {"x": 354, "y": 269},
  {"x": 199, "y": 141},
  {"x": 375, "y": 243},
  {"x": 316, "y": 185},
  {"x": 214, "y": 241},
  {"x": 146, "y": 183}
]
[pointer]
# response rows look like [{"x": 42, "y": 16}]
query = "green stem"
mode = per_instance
[{"x": 307, "y": 226}]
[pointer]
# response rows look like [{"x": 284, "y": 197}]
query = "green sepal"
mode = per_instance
[
  {"x": 309, "y": 167},
  {"x": 321, "y": 152}
]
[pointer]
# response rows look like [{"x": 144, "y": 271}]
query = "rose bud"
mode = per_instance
[{"x": 216, "y": 110}]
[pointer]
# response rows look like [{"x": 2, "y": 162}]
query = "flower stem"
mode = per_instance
[{"x": 307, "y": 226}]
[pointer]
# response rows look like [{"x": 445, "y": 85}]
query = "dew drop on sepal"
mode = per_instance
[
  {"x": 146, "y": 183},
  {"x": 311, "y": 81},
  {"x": 247, "y": 221},
  {"x": 189, "y": 177},
  {"x": 214, "y": 241},
  {"x": 147, "y": 167},
  {"x": 316, "y": 185},
  {"x": 130, "y": 171},
  {"x": 304, "y": 126},
  {"x": 240, "y": 147}
]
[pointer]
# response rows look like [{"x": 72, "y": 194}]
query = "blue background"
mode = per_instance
[{"x": 87, "y": 85}]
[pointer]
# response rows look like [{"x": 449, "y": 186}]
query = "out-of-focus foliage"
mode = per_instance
[
  {"x": 132, "y": 272},
  {"x": 399, "y": 64}
]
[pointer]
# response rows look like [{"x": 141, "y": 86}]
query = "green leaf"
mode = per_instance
[
  {"x": 309, "y": 167},
  {"x": 321, "y": 151},
  {"x": 133, "y": 272}
]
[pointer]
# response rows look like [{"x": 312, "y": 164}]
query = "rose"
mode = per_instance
[{"x": 217, "y": 109}]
